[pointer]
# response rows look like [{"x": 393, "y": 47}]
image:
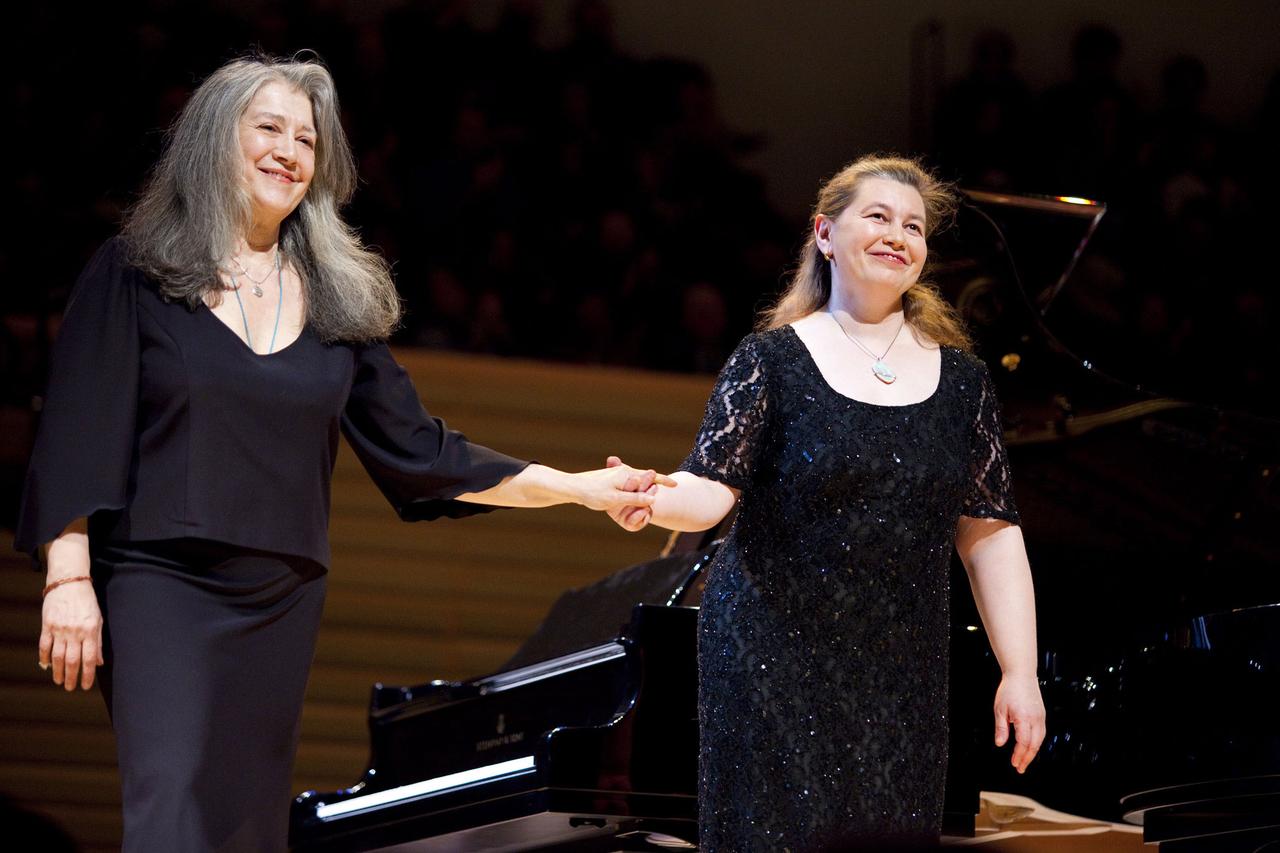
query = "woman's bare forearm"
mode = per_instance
[
  {"x": 68, "y": 555},
  {"x": 602, "y": 489},
  {"x": 697, "y": 504},
  {"x": 995, "y": 557},
  {"x": 535, "y": 486}
]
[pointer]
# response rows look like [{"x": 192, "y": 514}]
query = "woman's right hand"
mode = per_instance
[
  {"x": 71, "y": 634},
  {"x": 70, "y": 622},
  {"x": 632, "y": 518}
]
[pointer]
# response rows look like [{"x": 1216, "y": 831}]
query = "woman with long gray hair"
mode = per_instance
[{"x": 179, "y": 488}]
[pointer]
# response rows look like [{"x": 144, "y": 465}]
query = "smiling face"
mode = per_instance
[
  {"x": 278, "y": 144},
  {"x": 878, "y": 241}
]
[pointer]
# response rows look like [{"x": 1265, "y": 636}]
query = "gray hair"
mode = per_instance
[{"x": 195, "y": 209}]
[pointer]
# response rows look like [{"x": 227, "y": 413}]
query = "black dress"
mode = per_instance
[
  {"x": 823, "y": 634},
  {"x": 204, "y": 471}
]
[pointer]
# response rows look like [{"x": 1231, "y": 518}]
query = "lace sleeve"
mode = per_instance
[
  {"x": 991, "y": 493},
  {"x": 736, "y": 416}
]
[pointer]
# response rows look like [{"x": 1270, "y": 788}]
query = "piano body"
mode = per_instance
[
  {"x": 1151, "y": 523},
  {"x": 1152, "y": 526},
  {"x": 586, "y": 740}
]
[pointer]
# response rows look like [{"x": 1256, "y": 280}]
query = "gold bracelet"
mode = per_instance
[{"x": 59, "y": 583}]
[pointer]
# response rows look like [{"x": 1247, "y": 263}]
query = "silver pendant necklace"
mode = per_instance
[{"x": 881, "y": 370}]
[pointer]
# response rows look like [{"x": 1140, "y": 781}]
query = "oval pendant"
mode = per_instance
[{"x": 883, "y": 373}]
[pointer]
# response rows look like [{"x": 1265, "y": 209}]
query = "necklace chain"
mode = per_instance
[
  {"x": 862, "y": 347},
  {"x": 257, "y": 291},
  {"x": 881, "y": 370}
]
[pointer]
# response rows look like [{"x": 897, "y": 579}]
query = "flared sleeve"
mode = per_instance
[
  {"x": 419, "y": 463},
  {"x": 733, "y": 426},
  {"x": 85, "y": 443},
  {"x": 991, "y": 489}
]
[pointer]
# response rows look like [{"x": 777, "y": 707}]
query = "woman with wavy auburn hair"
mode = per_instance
[
  {"x": 179, "y": 488},
  {"x": 860, "y": 441}
]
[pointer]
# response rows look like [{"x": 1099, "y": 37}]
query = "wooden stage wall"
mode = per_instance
[{"x": 407, "y": 602}]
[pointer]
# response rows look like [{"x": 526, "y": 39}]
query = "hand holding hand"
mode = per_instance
[
  {"x": 636, "y": 516},
  {"x": 71, "y": 634},
  {"x": 616, "y": 487},
  {"x": 1018, "y": 704}
]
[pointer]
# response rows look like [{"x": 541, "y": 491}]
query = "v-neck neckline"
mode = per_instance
[{"x": 244, "y": 345}]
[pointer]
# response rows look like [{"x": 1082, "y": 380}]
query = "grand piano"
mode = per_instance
[
  {"x": 585, "y": 740},
  {"x": 1151, "y": 521},
  {"x": 1151, "y": 524}
]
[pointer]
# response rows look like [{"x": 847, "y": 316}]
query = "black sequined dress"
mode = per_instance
[{"x": 823, "y": 635}]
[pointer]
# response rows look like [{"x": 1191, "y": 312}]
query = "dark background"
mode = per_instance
[
  {"x": 627, "y": 182},
  {"x": 559, "y": 180}
]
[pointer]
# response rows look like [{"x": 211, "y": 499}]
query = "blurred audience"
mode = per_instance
[
  {"x": 581, "y": 204},
  {"x": 983, "y": 119},
  {"x": 1165, "y": 295}
]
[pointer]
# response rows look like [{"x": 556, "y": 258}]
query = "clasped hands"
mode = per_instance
[{"x": 634, "y": 517}]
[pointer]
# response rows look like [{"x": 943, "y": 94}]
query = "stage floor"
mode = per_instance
[{"x": 1012, "y": 824}]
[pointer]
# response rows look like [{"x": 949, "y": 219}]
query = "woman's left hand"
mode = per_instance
[{"x": 1018, "y": 704}]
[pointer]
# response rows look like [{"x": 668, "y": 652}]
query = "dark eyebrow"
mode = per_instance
[
  {"x": 279, "y": 119},
  {"x": 910, "y": 216}
]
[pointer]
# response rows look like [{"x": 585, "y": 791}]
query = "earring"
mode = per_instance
[{"x": 826, "y": 255}]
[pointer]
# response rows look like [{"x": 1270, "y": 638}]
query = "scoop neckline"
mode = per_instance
[
  {"x": 244, "y": 344},
  {"x": 822, "y": 379}
]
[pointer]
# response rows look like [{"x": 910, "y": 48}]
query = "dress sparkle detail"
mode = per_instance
[{"x": 823, "y": 634}]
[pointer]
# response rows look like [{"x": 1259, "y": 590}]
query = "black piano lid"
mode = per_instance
[{"x": 1168, "y": 502}]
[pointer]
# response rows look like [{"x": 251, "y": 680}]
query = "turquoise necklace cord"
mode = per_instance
[{"x": 235, "y": 288}]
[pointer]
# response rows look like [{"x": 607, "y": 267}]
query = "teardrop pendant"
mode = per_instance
[{"x": 884, "y": 373}]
